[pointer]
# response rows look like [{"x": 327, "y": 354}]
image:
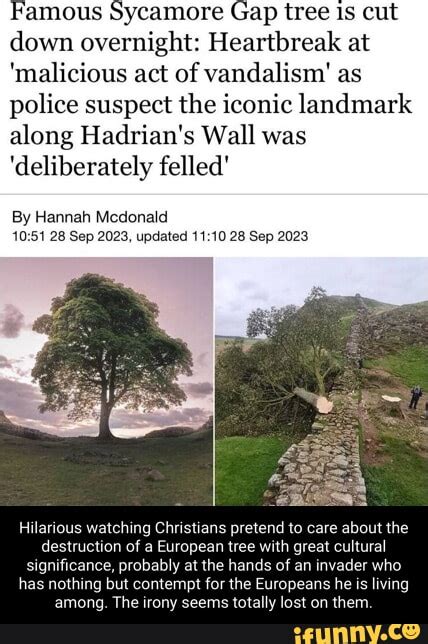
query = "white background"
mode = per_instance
[
  {"x": 345, "y": 154},
  {"x": 361, "y": 226}
]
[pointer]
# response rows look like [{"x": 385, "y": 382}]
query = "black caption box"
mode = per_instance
[{"x": 223, "y": 595}]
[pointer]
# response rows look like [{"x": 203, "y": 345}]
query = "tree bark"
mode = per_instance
[
  {"x": 104, "y": 427},
  {"x": 320, "y": 403}
]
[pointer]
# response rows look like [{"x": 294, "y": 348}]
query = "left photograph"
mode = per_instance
[{"x": 106, "y": 381}]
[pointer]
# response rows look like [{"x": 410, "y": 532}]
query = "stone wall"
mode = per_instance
[
  {"x": 324, "y": 468},
  {"x": 357, "y": 338}
]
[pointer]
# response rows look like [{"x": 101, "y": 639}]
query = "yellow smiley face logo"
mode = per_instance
[{"x": 411, "y": 631}]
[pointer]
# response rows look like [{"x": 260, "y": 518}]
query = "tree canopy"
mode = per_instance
[
  {"x": 105, "y": 348},
  {"x": 301, "y": 349}
]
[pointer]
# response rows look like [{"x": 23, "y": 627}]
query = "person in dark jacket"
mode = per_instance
[{"x": 416, "y": 394}]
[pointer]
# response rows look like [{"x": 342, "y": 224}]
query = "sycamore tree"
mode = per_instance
[
  {"x": 319, "y": 332},
  {"x": 303, "y": 344},
  {"x": 268, "y": 321},
  {"x": 104, "y": 349}
]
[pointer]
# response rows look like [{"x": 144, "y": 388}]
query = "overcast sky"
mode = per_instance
[
  {"x": 182, "y": 288},
  {"x": 243, "y": 285}
]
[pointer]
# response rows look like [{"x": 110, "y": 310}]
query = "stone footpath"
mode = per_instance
[{"x": 324, "y": 468}]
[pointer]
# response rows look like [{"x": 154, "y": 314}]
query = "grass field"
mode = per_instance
[
  {"x": 409, "y": 364},
  {"x": 401, "y": 480},
  {"x": 244, "y": 466},
  {"x": 345, "y": 325},
  {"x": 222, "y": 341},
  {"x": 40, "y": 473}
]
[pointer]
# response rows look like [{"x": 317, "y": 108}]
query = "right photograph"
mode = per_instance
[{"x": 321, "y": 386}]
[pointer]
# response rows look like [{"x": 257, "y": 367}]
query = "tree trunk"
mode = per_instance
[
  {"x": 320, "y": 380},
  {"x": 105, "y": 433},
  {"x": 320, "y": 403},
  {"x": 392, "y": 406}
]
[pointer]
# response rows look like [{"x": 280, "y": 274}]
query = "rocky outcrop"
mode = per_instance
[
  {"x": 170, "y": 432},
  {"x": 180, "y": 430},
  {"x": 390, "y": 331},
  {"x": 7, "y": 427},
  {"x": 324, "y": 468},
  {"x": 4, "y": 420}
]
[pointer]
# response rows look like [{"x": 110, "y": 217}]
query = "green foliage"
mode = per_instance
[
  {"x": 254, "y": 385},
  {"x": 410, "y": 365},
  {"x": 106, "y": 348},
  {"x": 243, "y": 467},
  {"x": 267, "y": 322},
  {"x": 247, "y": 382},
  {"x": 345, "y": 325},
  {"x": 401, "y": 480}
]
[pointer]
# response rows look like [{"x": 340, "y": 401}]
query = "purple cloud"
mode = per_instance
[
  {"x": 198, "y": 389},
  {"x": 11, "y": 322},
  {"x": 19, "y": 398},
  {"x": 20, "y": 402},
  {"x": 202, "y": 359},
  {"x": 123, "y": 419},
  {"x": 5, "y": 363}
]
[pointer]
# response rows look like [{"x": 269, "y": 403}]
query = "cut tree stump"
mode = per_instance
[
  {"x": 320, "y": 403},
  {"x": 392, "y": 405}
]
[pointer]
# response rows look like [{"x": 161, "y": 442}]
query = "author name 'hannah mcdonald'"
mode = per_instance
[{"x": 86, "y": 217}]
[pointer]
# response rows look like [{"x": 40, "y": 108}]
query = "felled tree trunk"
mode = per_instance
[
  {"x": 392, "y": 406},
  {"x": 320, "y": 403}
]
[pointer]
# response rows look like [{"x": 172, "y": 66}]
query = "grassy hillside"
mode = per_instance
[
  {"x": 244, "y": 465},
  {"x": 401, "y": 478},
  {"x": 222, "y": 341},
  {"x": 392, "y": 331},
  {"x": 416, "y": 308},
  {"x": 85, "y": 472},
  {"x": 410, "y": 364},
  {"x": 349, "y": 304}
]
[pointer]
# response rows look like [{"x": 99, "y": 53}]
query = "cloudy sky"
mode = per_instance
[
  {"x": 182, "y": 288},
  {"x": 243, "y": 285}
]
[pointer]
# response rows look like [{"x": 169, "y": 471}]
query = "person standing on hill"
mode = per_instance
[{"x": 416, "y": 394}]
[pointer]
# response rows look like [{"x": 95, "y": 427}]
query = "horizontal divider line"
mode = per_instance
[{"x": 213, "y": 194}]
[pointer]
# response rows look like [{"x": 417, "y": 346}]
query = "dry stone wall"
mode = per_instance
[{"x": 324, "y": 468}]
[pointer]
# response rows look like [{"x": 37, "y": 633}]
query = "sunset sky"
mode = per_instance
[{"x": 182, "y": 288}]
